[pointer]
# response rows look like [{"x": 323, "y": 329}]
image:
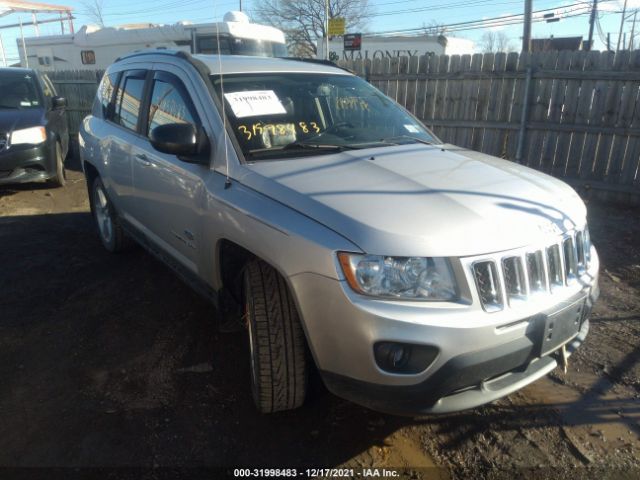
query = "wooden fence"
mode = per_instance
[
  {"x": 79, "y": 88},
  {"x": 575, "y": 115}
]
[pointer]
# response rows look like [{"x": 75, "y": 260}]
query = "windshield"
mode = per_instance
[
  {"x": 18, "y": 90},
  {"x": 289, "y": 115}
]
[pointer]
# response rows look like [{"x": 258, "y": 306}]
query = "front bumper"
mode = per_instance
[
  {"x": 482, "y": 357},
  {"x": 20, "y": 165}
]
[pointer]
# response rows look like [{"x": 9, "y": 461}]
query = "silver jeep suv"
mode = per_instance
[{"x": 416, "y": 276}]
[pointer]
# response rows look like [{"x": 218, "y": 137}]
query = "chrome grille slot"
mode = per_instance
[
  {"x": 535, "y": 270},
  {"x": 514, "y": 281},
  {"x": 580, "y": 253},
  {"x": 488, "y": 283},
  {"x": 587, "y": 247},
  {"x": 554, "y": 263},
  {"x": 570, "y": 260}
]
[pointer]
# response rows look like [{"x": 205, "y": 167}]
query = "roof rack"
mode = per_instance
[{"x": 157, "y": 51}]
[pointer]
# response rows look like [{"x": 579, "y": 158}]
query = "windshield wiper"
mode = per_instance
[
  {"x": 407, "y": 137},
  {"x": 316, "y": 146}
]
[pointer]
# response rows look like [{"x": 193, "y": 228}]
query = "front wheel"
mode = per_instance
[{"x": 279, "y": 366}]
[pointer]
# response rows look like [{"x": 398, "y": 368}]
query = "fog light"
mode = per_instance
[{"x": 397, "y": 357}]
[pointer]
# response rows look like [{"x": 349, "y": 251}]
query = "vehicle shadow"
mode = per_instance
[{"x": 109, "y": 360}]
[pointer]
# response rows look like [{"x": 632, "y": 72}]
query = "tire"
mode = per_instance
[
  {"x": 60, "y": 177},
  {"x": 279, "y": 365},
  {"x": 110, "y": 230}
]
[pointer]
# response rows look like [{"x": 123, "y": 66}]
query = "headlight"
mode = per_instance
[
  {"x": 33, "y": 135},
  {"x": 409, "y": 278}
]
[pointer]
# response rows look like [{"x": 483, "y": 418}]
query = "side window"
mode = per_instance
[
  {"x": 104, "y": 98},
  {"x": 128, "y": 100},
  {"x": 170, "y": 103}
]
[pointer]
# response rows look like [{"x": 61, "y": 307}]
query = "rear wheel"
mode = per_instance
[
  {"x": 279, "y": 366},
  {"x": 60, "y": 177},
  {"x": 110, "y": 231}
]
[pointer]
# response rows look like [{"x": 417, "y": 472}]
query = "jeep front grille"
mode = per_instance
[
  {"x": 4, "y": 141},
  {"x": 518, "y": 277}
]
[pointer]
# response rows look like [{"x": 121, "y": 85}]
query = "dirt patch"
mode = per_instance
[{"x": 109, "y": 360}]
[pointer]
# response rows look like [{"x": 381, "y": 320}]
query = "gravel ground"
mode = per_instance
[{"x": 110, "y": 361}]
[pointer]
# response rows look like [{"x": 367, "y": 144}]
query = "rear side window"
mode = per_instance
[
  {"x": 128, "y": 100},
  {"x": 104, "y": 97},
  {"x": 170, "y": 103}
]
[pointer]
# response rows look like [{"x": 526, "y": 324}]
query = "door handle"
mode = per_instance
[{"x": 142, "y": 159}]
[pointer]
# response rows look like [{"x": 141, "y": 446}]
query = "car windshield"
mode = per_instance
[
  {"x": 18, "y": 90},
  {"x": 290, "y": 115}
]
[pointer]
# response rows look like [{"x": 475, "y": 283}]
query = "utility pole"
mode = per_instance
[
  {"x": 4, "y": 57},
  {"x": 608, "y": 41},
  {"x": 326, "y": 31},
  {"x": 526, "y": 32},
  {"x": 624, "y": 12},
  {"x": 24, "y": 47},
  {"x": 240, "y": 5},
  {"x": 592, "y": 21},
  {"x": 633, "y": 30}
]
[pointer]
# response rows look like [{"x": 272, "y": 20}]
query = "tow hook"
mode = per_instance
[{"x": 564, "y": 358}]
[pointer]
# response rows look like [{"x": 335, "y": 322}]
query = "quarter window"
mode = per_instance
[
  {"x": 128, "y": 101},
  {"x": 170, "y": 104},
  {"x": 105, "y": 95}
]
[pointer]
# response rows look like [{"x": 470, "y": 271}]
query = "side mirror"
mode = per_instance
[
  {"x": 181, "y": 139},
  {"x": 58, "y": 102}
]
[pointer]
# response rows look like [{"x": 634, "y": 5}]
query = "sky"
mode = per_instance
[{"x": 387, "y": 15}]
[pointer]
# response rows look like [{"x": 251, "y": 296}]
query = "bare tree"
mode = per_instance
[
  {"x": 434, "y": 28},
  {"x": 492, "y": 41},
  {"x": 304, "y": 20},
  {"x": 95, "y": 11}
]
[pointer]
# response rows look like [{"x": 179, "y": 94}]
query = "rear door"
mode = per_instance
[
  {"x": 170, "y": 192},
  {"x": 125, "y": 139}
]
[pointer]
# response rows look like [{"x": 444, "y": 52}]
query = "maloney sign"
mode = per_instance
[{"x": 372, "y": 47}]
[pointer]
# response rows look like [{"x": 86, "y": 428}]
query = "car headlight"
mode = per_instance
[
  {"x": 407, "y": 278},
  {"x": 33, "y": 135}
]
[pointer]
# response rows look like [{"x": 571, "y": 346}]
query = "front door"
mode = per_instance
[{"x": 170, "y": 192}]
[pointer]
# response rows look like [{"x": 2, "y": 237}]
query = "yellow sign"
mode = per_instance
[{"x": 336, "y": 26}]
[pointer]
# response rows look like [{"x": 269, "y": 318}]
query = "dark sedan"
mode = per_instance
[{"x": 34, "y": 136}]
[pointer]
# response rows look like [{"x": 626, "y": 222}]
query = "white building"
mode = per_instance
[{"x": 374, "y": 46}]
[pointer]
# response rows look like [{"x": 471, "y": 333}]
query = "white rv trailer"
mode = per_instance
[{"x": 95, "y": 48}]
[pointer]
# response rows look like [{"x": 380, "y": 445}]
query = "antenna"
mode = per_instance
[{"x": 227, "y": 182}]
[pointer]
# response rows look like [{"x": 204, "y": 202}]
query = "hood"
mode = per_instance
[
  {"x": 420, "y": 200},
  {"x": 11, "y": 120}
]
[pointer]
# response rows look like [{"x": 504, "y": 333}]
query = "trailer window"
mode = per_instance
[{"x": 88, "y": 57}]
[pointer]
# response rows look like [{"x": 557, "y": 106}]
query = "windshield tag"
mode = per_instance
[
  {"x": 412, "y": 129},
  {"x": 25, "y": 104},
  {"x": 256, "y": 102}
]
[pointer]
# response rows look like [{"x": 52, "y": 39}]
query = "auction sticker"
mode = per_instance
[{"x": 255, "y": 102}]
